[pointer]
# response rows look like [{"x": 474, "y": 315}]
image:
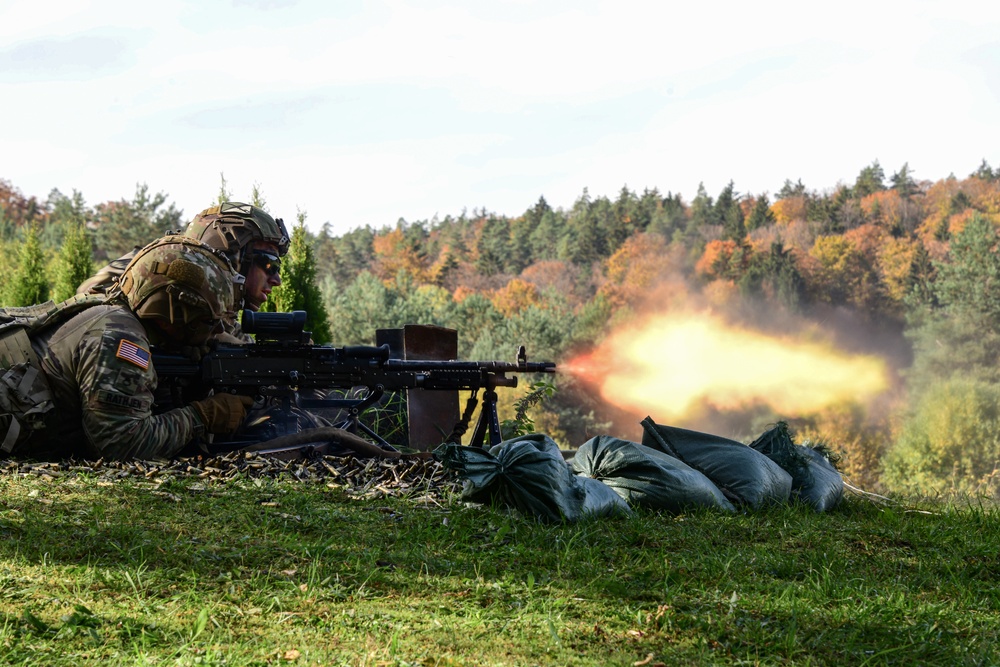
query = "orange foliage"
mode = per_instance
[
  {"x": 788, "y": 209},
  {"x": 394, "y": 253},
  {"x": 957, "y": 222},
  {"x": 867, "y": 239},
  {"x": 884, "y": 209},
  {"x": 716, "y": 252},
  {"x": 553, "y": 274},
  {"x": 983, "y": 196},
  {"x": 636, "y": 267},
  {"x": 514, "y": 297},
  {"x": 462, "y": 293}
]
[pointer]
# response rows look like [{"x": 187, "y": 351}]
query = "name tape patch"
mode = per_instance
[
  {"x": 132, "y": 353},
  {"x": 121, "y": 401}
]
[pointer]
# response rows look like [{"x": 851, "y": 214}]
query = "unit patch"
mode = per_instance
[{"x": 132, "y": 353}]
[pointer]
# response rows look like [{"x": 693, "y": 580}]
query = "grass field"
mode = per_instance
[{"x": 250, "y": 571}]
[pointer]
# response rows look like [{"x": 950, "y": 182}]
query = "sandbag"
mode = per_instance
[
  {"x": 743, "y": 474},
  {"x": 646, "y": 477},
  {"x": 814, "y": 479},
  {"x": 529, "y": 473}
]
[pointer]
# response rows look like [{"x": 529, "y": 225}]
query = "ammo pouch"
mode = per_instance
[{"x": 25, "y": 396}]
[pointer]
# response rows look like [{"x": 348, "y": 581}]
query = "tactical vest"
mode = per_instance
[{"x": 26, "y": 405}]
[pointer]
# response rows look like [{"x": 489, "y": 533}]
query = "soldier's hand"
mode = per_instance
[
  {"x": 222, "y": 414},
  {"x": 229, "y": 339},
  {"x": 194, "y": 352}
]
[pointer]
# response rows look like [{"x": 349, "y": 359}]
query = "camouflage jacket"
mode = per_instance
[{"x": 100, "y": 371}]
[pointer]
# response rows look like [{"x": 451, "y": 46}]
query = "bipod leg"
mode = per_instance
[
  {"x": 353, "y": 422},
  {"x": 489, "y": 422}
]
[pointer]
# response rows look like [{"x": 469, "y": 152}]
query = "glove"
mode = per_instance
[
  {"x": 229, "y": 339},
  {"x": 194, "y": 352},
  {"x": 222, "y": 414}
]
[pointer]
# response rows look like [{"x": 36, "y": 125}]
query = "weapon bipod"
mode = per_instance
[
  {"x": 486, "y": 433},
  {"x": 354, "y": 407}
]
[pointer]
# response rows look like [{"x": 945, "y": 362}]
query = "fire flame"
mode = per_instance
[{"x": 672, "y": 365}]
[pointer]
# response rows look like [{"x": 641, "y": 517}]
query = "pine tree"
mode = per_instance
[
  {"x": 903, "y": 183},
  {"x": 74, "y": 264},
  {"x": 729, "y": 214},
  {"x": 761, "y": 214},
  {"x": 29, "y": 284},
  {"x": 702, "y": 210},
  {"x": 871, "y": 179},
  {"x": 493, "y": 246},
  {"x": 257, "y": 197},
  {"x": 299, "y": 289},
  {"x": 224, "y": 192},
  {"x": 985, "y": 172}
]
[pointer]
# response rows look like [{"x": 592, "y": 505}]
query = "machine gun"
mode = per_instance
[{"x": 283, "y": 364}]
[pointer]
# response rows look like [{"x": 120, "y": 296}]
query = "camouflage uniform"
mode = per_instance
[
  {"x": 98, "y": 363},
  {"x": 102, "y": 381}
]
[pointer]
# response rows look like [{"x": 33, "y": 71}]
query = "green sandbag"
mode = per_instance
[
  {"x": 744, "y": 475},
  {"x": 814, "y": 479},
  {"x": 646, "y": 477},
  {"x": 529, "y": 474}
]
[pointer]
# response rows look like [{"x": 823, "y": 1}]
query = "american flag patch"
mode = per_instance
[{"x": 132, "y": 353}]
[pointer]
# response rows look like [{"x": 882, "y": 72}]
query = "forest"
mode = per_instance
[{"x": 865, "y": 314}]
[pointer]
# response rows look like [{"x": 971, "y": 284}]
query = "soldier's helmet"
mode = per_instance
[
  {"x": 184, "y": 282},
  {"x": 233, "y": 226}
]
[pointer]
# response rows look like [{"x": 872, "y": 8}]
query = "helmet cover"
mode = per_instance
[
  {"x": 233, "y": 227},
  {"x": 182, "y": 281}
]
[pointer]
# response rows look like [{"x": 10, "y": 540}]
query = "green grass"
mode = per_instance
[{"x": 264, "y": 572}]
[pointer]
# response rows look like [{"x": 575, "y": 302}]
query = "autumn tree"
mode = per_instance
[
  {"x": 842, "y": 273},
  {"x": 514, "y": 297},
  {"x": 395, "y": 252}
]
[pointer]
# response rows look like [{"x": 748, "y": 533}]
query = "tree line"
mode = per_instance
[{"x": 913, "y": 260}]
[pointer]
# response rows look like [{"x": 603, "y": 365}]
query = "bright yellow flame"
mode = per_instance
[{"x": 673, "y": 364}]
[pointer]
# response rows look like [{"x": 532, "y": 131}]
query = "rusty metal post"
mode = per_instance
[{"x": 431, "y": 415}]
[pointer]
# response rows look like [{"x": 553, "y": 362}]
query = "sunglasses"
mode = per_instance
[{"x": 268, "y": 263}]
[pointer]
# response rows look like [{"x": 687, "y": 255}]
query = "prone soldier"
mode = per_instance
[{"x": 78, "y": 376}]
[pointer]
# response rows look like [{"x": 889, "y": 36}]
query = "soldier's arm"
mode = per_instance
[{"x": 116, "y": 381}]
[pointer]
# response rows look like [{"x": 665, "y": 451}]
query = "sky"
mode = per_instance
[{"x": 362, "y": 113}]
